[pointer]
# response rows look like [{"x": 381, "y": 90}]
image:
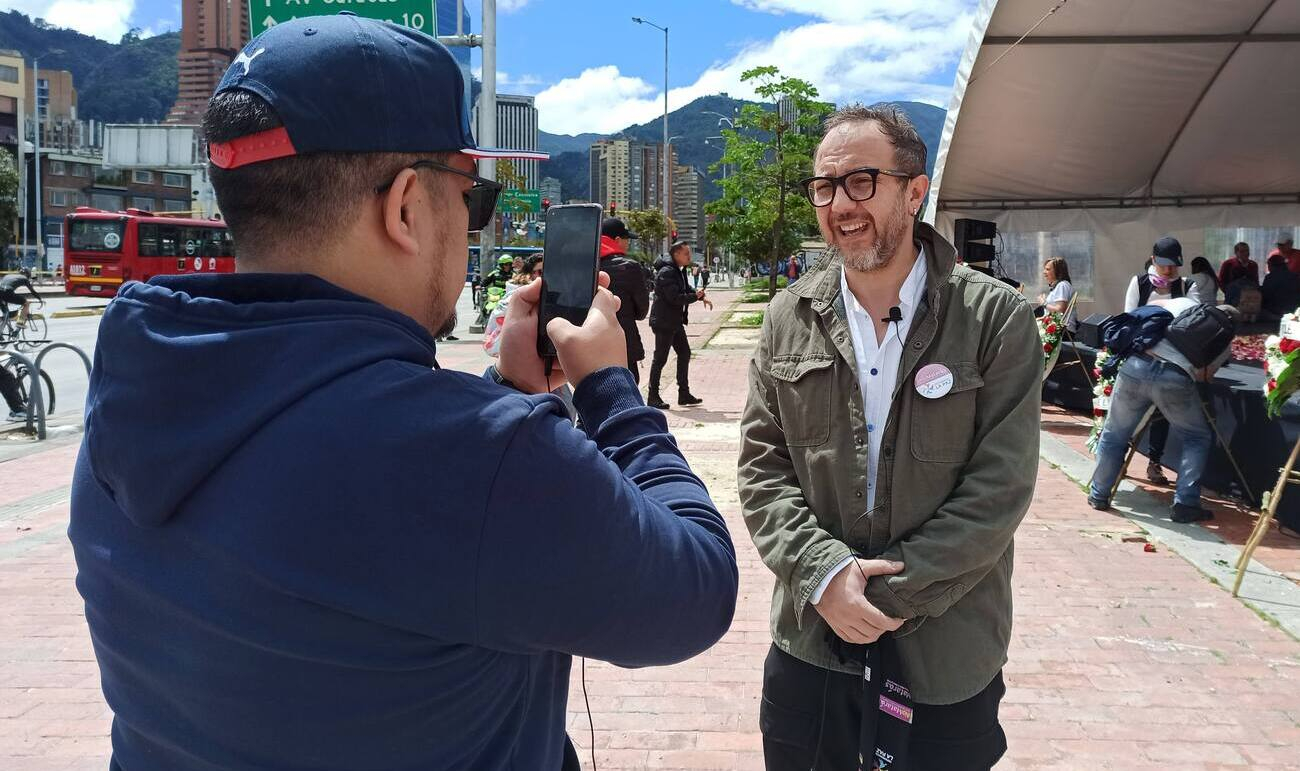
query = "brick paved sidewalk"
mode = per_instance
[{"x": 1121, "y": 658}]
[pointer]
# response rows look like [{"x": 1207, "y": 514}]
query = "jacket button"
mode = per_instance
[
  {"x": 917, "y": 345},
  {"x": 858, "y": 494}
]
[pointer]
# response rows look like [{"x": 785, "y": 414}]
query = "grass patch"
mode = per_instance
[
  {"x": 751, "y": 320},
  {"x": 755, "y": 297}
]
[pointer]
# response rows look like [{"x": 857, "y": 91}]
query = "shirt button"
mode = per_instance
[
  {"x": 857, "y": 494},
  {"x": 875, "y": 371}
]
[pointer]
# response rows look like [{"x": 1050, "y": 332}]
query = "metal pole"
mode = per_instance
[
  {"x": 36, "y": 109},
  {"x": 487, "y": 120},
  {"x": 668, "y": 151}
]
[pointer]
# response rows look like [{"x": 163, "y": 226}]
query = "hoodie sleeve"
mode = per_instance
[{"x": 608, "y": 546}]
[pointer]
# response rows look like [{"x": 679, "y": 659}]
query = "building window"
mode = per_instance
[
  {"x": 138, "y": 202},
  {"x": 170, "y": 204},
  {"x": 58, "y": 197},
  {"x": 80, "y": 170},
  {"x": 106, "y": 202},
  {"x": 58, "y": 168},
  {"x": 54, "y": 235},
  {"x": 176, "y": 180},
  {"x": 1023, "y": 255},
  {"x": 142, "y": 177},
  {"x": 8, "y": 74}
]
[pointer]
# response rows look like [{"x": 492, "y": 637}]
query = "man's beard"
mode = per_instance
[
  {"x": 888, "y": 239},
  {"x": 447, "y": 327}
]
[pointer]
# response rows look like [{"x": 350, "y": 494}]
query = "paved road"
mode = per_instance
[{"x": 69, "y": 375}]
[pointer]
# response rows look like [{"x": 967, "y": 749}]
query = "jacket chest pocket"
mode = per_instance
[
  {"x": 943, "y": 429},
  {"x": 805, "y": 387}
]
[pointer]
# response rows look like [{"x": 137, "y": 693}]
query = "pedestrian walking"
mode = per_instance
[
  {"x": 668, "y": 319},
  {"x": 337, "y": 555},
  {"x": 627, "y": 280},
  {"x": 889, "y": 449}
]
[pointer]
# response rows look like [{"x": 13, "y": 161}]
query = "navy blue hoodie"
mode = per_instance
[{"x": 302, "y": 546}]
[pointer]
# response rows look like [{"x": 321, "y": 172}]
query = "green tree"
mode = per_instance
[
  {"x": 509, "y": 176},
  {"x": 650, "y": 225},
  {"x": 763, "y": 213},
  {"x": 8, "y": 196}
]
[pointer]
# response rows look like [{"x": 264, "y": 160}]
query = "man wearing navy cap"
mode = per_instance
[{"x": 301, "y": 544}]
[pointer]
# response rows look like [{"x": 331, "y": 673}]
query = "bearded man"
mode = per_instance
[{"x": 890, "y": 447}]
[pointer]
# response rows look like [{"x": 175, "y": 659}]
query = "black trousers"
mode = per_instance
[
  {"x": 674, "y": 340},
  {"x": 9, "y": 390},
  {"x": 807, "y": 711}
]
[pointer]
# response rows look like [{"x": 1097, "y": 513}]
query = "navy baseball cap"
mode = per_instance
[
  {"x": 347, "y": 84},
  {"x": 1167, "y": 251}
]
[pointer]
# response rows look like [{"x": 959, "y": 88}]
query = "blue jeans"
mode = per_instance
[{"x": 1142, "y": 383}]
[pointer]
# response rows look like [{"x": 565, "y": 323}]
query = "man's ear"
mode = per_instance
[
  {"x": 400, "y": 207},
  {"x": 917, "y": 190}
]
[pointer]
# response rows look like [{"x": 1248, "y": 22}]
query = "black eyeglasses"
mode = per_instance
[
  {"x": 481, "y": 199},
  {"x": 859, "y": 185}
]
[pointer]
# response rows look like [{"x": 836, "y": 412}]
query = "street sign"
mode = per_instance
[
  {"x": 515, "y": 200},
  {"x": 416, "y": 14}
]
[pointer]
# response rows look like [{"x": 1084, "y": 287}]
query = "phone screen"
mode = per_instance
[{"x": 572, "y": 252}]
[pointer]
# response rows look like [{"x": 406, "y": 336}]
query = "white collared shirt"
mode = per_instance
[{"x": 877, "y": 364}]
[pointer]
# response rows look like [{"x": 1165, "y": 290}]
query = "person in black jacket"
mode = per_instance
[
  {"x": 627, "y": 280},
  {"x": 668, "y": 321}
]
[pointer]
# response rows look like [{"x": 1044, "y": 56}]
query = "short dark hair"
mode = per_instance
[
  {"x": 298, "y": 200},
  {"x": 1276, "y": 262},
  {"x": 909, "y": 151}
]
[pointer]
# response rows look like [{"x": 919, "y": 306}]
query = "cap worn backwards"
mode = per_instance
[{"x": 349, "y": 84}]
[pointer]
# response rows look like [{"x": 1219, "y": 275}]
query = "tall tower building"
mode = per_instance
[
  {"x": 627, "y": 173},
  {"x": 212, "y": 33},
  {"x": 517, "y": 128},
  {"x": 688, "y": 205}
]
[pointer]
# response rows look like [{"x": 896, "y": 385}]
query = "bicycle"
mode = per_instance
[
  {"x": 23, "y": 328},
  {"x": 20, "y": 373}
]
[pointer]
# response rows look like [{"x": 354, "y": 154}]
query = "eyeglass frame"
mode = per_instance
[
  {"x": 839, "y": 183},
  {"x": 485, "y": 192}
]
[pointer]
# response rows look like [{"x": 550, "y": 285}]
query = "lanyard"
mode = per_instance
[{"x": 886, "y": 709}]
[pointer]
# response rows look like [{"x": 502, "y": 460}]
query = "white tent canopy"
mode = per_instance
[{"x": 1127, "y": 119}]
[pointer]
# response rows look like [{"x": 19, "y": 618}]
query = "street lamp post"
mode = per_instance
[
  {"x": 731, "y": 269},
  {"x": 667, "y": 182}
]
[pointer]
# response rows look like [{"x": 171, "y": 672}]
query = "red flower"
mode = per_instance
[
  {"x": 1098, "y": 412},
  {"x": 1096, "y": 373},
  {"x": 1051, "y": 329},
  {"x": 1288, "y": 345},
  {"x": 1047, "y": 347},
  {"x": 1272, "y": 384},
  {"x": 1108, "y": 389}
]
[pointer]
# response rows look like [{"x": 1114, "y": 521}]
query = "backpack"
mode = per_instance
[
  {"x": 1125, "y": 334},
  {"x": 1201, "y": 334}
]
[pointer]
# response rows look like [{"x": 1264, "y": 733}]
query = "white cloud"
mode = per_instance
[
  {"x": 104, "y": 19},
  {"x": 866, "y": 50},
  {"x": 510, "y": 6}
]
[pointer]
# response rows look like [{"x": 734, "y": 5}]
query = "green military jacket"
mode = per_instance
[{"x": 955, "y": 474}]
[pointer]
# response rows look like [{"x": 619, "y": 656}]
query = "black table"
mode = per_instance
[{"x": 1236, "y": 399}]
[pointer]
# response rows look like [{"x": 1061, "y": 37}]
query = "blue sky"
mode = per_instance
[{"x": 592, "y": 69}]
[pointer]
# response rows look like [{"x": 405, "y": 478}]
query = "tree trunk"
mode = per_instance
[{"x": 779, "y": 226}]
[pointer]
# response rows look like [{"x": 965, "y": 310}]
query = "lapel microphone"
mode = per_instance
[{"x": 895, "y": 315}]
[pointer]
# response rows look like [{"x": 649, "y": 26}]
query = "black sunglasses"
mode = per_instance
[
  {"x": 481, "y": 199},
  {"x": 859, "y": 185}
]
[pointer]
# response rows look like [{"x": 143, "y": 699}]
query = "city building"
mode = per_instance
[
  {"x": 552, "y": 190},
  {"x": 57, "y": 96},
  {"x": 517, "y": 128},
  {"x": 13, "y": 103},
  {"x": 212, "y": 33},
  {"x": 688, "y": 205},
  {"x": 627, "y": 173}
]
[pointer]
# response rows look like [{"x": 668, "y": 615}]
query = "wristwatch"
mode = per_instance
[{"x": 497, "y": 378}]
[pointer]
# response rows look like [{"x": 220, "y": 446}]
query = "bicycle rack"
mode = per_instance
[
  {"x": 34, "y": 375},
  {"x": 37, "y": 397}
]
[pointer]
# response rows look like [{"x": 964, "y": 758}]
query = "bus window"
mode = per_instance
[
  {"x": 86, "y": 235},
  {"x": 148, "y": 240},
  {"x": 224, "y": 245},
  {"x": 169, "y": 241}
]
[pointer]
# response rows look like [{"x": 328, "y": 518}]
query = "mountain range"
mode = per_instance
[{"x": 570, "y": 160}]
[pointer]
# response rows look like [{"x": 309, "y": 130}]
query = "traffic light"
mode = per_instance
[
  {"x": 674, "y": 235},
  {"x": 546, "y": 204},
  {"x": 613, "y": 208}
]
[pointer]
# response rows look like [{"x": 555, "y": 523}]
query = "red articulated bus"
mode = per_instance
[{"x": 103, "y": 250}]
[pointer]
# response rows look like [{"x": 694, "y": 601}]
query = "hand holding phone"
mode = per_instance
[
  {"x": 588, "y": 348},
  {"x": 596, "y": 344},
  {"x": 572, "y": 250}
]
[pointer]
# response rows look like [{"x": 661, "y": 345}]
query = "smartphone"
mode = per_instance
[{"x": 572, "y": 250}]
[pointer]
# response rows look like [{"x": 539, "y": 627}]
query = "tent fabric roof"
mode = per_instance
[{"x": 1118, "y": 99}]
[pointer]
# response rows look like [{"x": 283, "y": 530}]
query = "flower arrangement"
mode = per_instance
[
  {"x": 1050, "y": 326},
  {"x": 1101, "y": 394},
  {"x": 1280, "y": 354}
]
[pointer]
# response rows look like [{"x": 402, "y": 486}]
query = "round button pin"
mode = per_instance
[{"x": 933, "y": 381}]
